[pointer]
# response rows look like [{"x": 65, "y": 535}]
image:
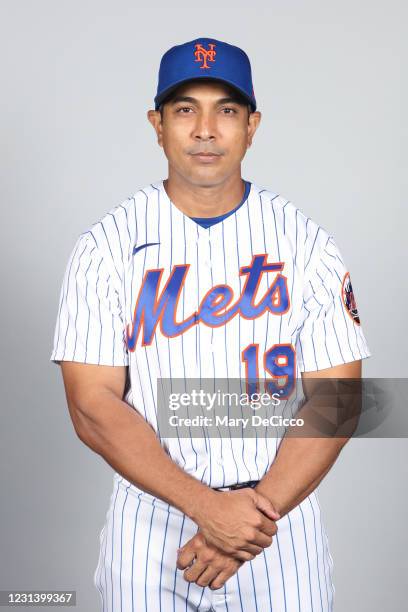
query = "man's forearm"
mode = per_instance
[
  {"x": 306, "y": 455},
  {"x": 300, "y": 465},
  {"x": 118, "y": 433}
]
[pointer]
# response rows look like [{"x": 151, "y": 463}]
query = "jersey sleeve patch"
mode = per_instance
[{"x": 349, "y": 301}]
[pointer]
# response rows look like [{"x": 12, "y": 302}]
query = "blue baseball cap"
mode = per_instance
[{"x": 205, "y": 58}]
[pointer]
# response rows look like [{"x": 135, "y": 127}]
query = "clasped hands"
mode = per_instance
[{"x": 234, "y": 527}]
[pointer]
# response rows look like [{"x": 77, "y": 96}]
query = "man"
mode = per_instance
[{"x": 200, "y": 276}]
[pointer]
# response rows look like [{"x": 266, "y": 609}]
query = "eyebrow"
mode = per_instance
[{"x": 228, "y": 99}]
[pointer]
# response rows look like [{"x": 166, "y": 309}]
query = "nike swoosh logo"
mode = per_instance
[{"x": 143, "y": 246}]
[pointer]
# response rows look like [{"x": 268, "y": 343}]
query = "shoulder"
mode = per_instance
[
  {"x": 120, "y": 219},
  {"x": 113, "y": 235},
  {"x": 294, "y": 224}
]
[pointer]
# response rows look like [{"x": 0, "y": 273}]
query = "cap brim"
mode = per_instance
[{"x": 159, "y": 99}]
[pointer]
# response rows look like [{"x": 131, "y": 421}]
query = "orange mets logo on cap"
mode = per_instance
[{"x": 204, "y": 55}]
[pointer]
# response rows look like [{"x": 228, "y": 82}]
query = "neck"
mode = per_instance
[{"x": 199, "y": 200}]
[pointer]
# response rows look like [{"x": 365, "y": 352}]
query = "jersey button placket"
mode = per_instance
[
  {"x": 207, "y": 261},
  {"x": 205, "y": 284},
  {"x": 208, "y": 264}
]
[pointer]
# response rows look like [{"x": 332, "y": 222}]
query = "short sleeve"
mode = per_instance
[
  {"x": 330, "y": 330},
  {"x": 90, "y": 325}
]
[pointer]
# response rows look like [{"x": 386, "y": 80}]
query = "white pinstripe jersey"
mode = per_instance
[{"x": 118, "y": 306}]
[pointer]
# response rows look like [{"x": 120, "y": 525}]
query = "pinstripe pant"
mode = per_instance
[{"x": 137, "y": 571}]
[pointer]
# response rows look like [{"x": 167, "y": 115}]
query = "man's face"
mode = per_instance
[{"x": 204, "y": 131}]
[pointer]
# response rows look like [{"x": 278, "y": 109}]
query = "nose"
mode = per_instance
[{"x": 204, "y": 127}]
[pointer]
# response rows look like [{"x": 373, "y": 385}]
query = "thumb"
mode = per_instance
[{"x": 263, "y": 504}]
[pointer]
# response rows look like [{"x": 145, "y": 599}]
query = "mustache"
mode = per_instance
[{"x": 202, "y": 150}]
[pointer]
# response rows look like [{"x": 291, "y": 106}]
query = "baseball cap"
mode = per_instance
[{"x": 205, "y": 58}]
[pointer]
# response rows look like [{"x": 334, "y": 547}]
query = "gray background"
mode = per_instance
[{"x": 78, "y": 79}]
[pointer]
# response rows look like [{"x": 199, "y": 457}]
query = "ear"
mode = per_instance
[
  {"x": 254, "y": 120},
  {"x": 155, "y": 119}
]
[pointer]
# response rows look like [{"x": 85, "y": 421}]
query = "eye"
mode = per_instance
[
  {"x": 228, "y": 108},
  {"x": 183, "y": 108}
]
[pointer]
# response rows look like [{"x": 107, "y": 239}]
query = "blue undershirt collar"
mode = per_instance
[{"x": 208, "y": 221}]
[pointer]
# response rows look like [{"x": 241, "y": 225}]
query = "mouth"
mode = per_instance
[{"x": 206, "y": 157}]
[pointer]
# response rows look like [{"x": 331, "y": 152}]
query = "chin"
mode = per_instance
[
  {"x": 205, "y": 175},
  {"x": 207, "y": 179}
]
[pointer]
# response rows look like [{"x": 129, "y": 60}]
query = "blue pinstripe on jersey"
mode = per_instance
[
  {"x": 253, "y": 342},
  {"x": 226, "y": 357},
  {"x": 239, "y": 342}
]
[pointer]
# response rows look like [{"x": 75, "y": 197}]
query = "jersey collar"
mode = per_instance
[{"x": 231, "y": 217}]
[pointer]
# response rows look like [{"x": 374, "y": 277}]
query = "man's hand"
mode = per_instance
[
  {"x": 206, "y": 565},
  {"x": 240, "y": 523}
]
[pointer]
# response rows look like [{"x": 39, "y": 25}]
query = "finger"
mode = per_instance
[
  {"x": 267, "y": 526},
  {"x": 185, "y": 557},
  {"x": 253, "y": 547},
  {"x": 194, "y": 572},
  {"x": 194, "y": 543},
  {"x": 261, "y": 541},
  {"x": 219, "y": 581},
  {"x": 249, "y": 549},
  {"x": 207, "y": 576},
  {"x": 243, "y": 555},
  {"x": 263, "y": 504}
]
